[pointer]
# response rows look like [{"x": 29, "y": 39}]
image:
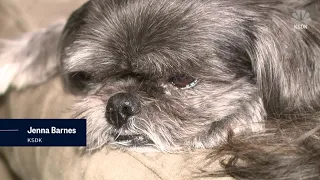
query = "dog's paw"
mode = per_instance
[{"x": 29, "y": 60}]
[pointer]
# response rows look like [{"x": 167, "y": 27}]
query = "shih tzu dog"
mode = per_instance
[{"x": 240, "y": 77}]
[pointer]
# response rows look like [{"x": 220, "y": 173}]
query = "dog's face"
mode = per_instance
[{"x": 174, "y": 74}]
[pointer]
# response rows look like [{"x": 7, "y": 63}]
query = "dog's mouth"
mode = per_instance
[{"x": 133, "y": 140}]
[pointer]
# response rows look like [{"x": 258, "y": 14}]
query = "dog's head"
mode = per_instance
[{"x": 181, "y": 74}]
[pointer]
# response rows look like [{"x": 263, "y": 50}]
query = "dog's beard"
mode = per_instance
[{"x": 100, "y": 132}]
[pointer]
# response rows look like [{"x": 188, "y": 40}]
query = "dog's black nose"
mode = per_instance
[{"x": 120, "y": 107}]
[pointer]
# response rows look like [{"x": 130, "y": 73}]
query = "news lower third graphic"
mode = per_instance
[{"x": 43, "y": 132}]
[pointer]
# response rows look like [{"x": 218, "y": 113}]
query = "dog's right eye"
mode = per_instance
[
  {"x": 183, "y": 81},
  {"x": 80, "y": 78}
]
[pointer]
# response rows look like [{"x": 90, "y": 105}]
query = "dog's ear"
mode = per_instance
[
  {"x": 30, "y": 59},
  {"x": 286, "y": 62}
]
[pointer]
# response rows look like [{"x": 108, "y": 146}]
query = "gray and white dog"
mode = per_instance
[{"x": 240, "y": 76}]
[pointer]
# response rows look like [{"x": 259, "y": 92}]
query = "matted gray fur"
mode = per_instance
[{"x": 176, "y": 75}]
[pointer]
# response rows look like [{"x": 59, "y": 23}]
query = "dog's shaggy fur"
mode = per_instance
[{"x": 252, "y": 80}]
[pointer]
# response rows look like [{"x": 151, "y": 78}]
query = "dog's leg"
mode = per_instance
[{"x": 31, "y": 59}]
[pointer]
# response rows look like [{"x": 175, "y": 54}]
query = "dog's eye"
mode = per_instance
[
  {"x": 183, "y": 81},
  {"x": 80, "y": 78}
]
